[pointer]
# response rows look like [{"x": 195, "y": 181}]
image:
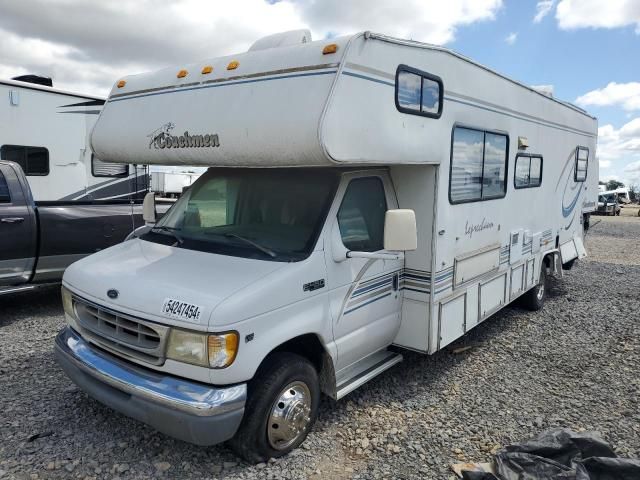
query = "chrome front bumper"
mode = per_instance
[{"x": 191, "y": 411}]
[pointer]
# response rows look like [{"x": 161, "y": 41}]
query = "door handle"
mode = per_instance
[
  {"x": 396, "y": 282},
  {"x": 12, "y": 220}
]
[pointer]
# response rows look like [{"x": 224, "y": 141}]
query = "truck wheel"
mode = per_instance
[
  {"x": 281, "y": 409},
  {"x": 534, "y": 299}
]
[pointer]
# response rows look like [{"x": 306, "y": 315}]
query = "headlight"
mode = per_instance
[
  {"x": 223, "y": 348},
  {"x": 67, "y": 302},
  {"x": 215, "y": 350},
  {"x": 188, "y": 347}
]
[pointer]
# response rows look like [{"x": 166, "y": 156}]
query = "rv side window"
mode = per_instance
[
  {"x": 33, "y": 160},
  {"x": 582, "y": 160},
  {"x": 418, "y": 93},
  {"x": 361, "y": 215},
  {"x": 528, "y": 171},
  {"x": 108, "y": 169},
  {"x": 4, "y": 190},
  {"x": 478, "y": 165}
]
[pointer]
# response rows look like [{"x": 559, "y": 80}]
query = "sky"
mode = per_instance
[{"x": 587, "y": 51}]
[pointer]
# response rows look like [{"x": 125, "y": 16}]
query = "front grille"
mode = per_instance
[{"x": 122, "y": 334}]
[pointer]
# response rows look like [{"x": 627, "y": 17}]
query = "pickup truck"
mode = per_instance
[{"x": 38, "y": 240}]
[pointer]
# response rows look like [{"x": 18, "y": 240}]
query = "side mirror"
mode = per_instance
[
  {"x": 400, "y": 230},
  {"x": 149, "y": 208}
]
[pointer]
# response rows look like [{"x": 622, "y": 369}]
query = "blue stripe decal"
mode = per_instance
[
  {"x": 367, "y": 303},
  {"x": 370, "y": 288},
  {"x": 224, "y": 84},
  {"x": 566, "y": 211},
  {"x": 416, "y": 277},
  {"x": 371, "y": 79}
]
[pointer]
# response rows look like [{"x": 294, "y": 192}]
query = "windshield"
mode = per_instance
[{"x": 270, "y": 214}]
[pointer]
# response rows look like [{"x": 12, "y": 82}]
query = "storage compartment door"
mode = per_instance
[
  {"x": 452, "y": 320},
  {"x": 492, "y": 295},
  {"x": 517, "y": 280}
]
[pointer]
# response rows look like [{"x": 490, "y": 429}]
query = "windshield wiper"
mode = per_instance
[
  {"x": 171, "y": 231},
  {"x": 269, "y": 252}
]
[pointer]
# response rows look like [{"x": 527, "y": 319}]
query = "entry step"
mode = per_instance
[{"x": 361, "y": 372}]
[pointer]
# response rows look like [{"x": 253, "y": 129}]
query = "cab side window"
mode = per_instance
[
  {"x": 4, "y": 190},
  {"x": 361, "y": 215}
]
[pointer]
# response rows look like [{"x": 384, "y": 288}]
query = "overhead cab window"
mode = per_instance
[
  {"x": 418, "y": 92},
  {"x": 528, "y": 171},
  {"x": 108, "y": 169},
  {"x": 582, "y": 162},
  {"x": 478, "y": 165},
  {"x": 33, "y": 160}
]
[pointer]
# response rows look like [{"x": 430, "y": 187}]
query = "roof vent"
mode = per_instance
[
  {"x": 37, "y": 79},
  {"x": 283, "y": 39}
]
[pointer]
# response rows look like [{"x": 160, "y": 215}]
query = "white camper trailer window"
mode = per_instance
[
  {"x": 34, "y": 161},
  {"x": 582, "y": 160},
  {"x": 418, "y": 93},
  {"x": 409, "y": 86},
  {"x": 107, "y": 169},
  {"x": 478, "y": 165},
  {"x": 528, "y": 171}
]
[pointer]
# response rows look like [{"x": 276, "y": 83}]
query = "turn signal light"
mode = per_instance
[
  {"x": 223, "y": 348},
  {"x": 331, "y": 48}
]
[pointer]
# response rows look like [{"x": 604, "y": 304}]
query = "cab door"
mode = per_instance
[
  {"x": 17, "y": 230},
  {"x": 365, "y": 298}
]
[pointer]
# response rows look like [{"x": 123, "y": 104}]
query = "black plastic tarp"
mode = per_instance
[{"x": 560, "y": 454}]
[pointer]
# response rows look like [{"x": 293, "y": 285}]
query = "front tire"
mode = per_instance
[
  {"x": 534, "y": 299},
  {"x": 281, "y": 409}
]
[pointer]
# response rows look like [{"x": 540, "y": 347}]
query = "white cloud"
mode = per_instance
[
  {"x": 88, "y": 45},
  {"x": 619, "y": 149},
  {"x": 543, "y": 7},
  {"x": 511, "y": 38},
  {"x": 572, "y": 14},
  {"x": 626, "y": 95}
]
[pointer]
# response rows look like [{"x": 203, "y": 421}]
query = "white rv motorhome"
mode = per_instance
[
  {"x": 46, "y": 130},
  {"x": 364, "y": 193}
]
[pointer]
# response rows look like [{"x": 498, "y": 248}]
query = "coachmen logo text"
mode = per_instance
[{"x": 162, "y": 138}]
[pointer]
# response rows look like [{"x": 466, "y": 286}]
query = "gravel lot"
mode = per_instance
[{"x": 573, "y": 364}]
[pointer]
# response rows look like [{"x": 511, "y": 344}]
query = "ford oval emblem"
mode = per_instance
[{"x": 113, "y": 293}]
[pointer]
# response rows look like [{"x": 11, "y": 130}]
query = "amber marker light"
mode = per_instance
[
  {"x": 182, "y": 73},
  {"x": 233, "y": 65},
  {"x": 223, "y": 348},
  {"x": 207, "y": 70},
  {"x": 121, "y": 84},
  {"x": 331, "y": 48}
]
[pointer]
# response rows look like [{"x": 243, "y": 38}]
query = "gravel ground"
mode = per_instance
[{"x": 573, "y": 364}]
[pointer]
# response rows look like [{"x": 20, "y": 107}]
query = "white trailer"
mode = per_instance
[
  {"x": 364, "y": 192},
  {"x": 171, "y": 184},
  {"x": 46, "y": 131}
]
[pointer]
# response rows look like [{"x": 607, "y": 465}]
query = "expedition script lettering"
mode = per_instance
[{"x": 477, "y": 227}]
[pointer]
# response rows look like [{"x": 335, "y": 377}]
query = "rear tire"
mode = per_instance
[
  {"x": 534, "y": 299},
  {"x": 281, "y": 409}
]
